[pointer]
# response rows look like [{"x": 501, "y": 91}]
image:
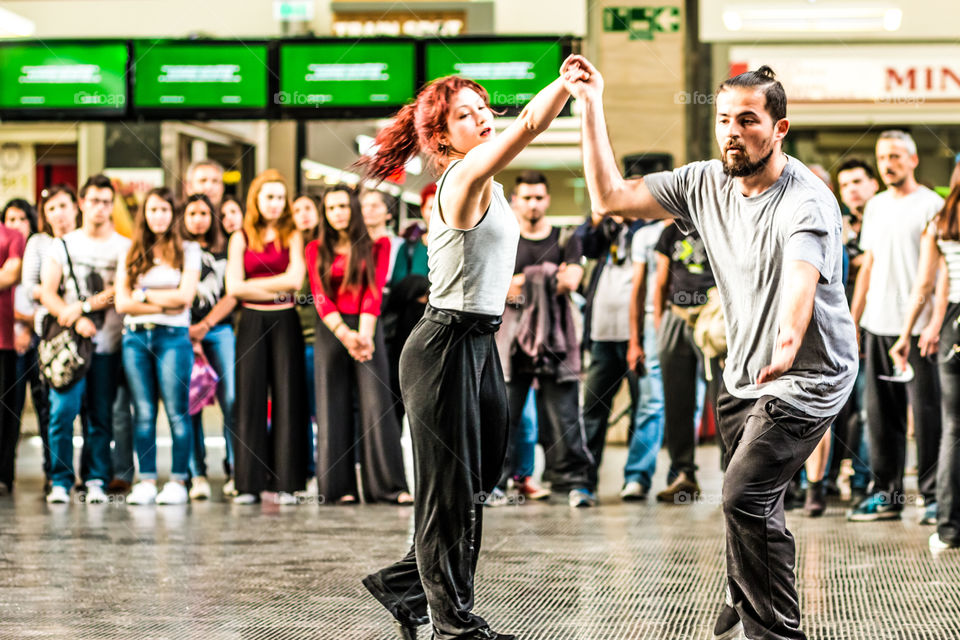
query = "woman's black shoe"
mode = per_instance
[
  {"x": 485, "y": 633},
  {"x": 406, "y": 632}
]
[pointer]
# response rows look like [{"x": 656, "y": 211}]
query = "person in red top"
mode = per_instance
[
  {"x": 264, "y": 271},
  {"x": 347, "y": 271},
  {"x": 11, "y": 253}
]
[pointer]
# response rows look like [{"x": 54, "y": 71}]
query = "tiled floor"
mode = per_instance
[{"x": 616, "y": 572}]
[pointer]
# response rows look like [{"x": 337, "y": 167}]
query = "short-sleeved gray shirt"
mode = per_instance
[{"x": 749, "y": 240}]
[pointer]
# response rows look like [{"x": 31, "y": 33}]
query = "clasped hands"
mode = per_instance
[{"x": 359, "y": 346}]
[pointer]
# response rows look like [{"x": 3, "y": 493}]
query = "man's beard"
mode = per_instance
[{"x": 744, "y": 168}]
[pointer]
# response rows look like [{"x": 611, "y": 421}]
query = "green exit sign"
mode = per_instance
[
  {"x": 293, "y": 10},
  {"x": 641, "y": 23}
]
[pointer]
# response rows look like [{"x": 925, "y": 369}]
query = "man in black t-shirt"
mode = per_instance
[
  {"x": 568, "y": 461},
  {"x": 684, "y": 281}
]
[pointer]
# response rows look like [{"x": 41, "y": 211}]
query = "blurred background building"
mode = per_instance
[{"x": 851, "y": 68}]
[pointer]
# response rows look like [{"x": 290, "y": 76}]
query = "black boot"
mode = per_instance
[
  {"x": 816, "y": 502},
  {"x": 484, "y": 633}
]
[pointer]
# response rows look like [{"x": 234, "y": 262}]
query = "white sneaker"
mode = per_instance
[
  {"x": 199, "y": 489},
  {"x": 58, "y": 495},
  {"x": 313, "y": 488},
  {"x": 142, "y": 493},
  {"x": 285, "y": 498},
  {"x": 95, "y": 494},
  {"x": 246, "y": 498},
  {"x": 173, "y": 493},
  {"x": 634, "y": 491},
  {"x": 935, "y": 542},
  {"x": 229, "y": 489}
]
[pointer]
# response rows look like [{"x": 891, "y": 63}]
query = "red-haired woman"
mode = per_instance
[
  {"x": 264, "y": 271},
  {"x": 347, "y": 272},
  {"x": 450, "y": 374},
  {"x": 940, "y": 253}
]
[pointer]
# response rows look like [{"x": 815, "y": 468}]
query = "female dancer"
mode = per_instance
[{"x": 450, "y": 374}]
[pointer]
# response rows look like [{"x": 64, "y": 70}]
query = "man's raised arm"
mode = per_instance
[{"x": 610, "y": 193}]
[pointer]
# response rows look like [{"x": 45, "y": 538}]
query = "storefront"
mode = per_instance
[{"x": 852, "y": 72}]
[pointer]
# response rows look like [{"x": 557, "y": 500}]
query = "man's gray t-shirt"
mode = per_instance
[{"x": 749, "y": 240}]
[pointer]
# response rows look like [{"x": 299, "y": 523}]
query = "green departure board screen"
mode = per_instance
[
  {"x": 347, "y": 74},
  {"x": 66, "y": 77},
  {"x": 216, "y": 75},
  {"x": 512, "y": 72}
]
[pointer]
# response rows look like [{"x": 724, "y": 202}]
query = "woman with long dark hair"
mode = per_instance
[
  {"x": 264, "y": 271},
  {"x": 156, "y": 282},
  {"x": 347, "y": 272},
  {"x": 450, "y": 374},
  {"x": 940, "y": 253},
  {"x": 211, "y": 332},
  {"x": 231, "y": 214},
  {"x": 58, "y": 214}
]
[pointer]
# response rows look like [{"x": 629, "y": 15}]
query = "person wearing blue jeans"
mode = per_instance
[
  {"x": 607, "y": 319},
  {"x": 219, "y": 346},
  {"x": 646, "y": 435},
  {"x": 93, "y": 391},
  {"x": 156, "y": 284},
  {"x": 158, "y": 360},
  {"x": 211, "y": 332},
  {"x": 77, "y": 288},
  {"x": 523, "y": 462},
  {"x": 648, "y": 422}
]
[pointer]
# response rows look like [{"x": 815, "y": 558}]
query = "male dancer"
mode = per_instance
[{"x": 772, "y": 233}]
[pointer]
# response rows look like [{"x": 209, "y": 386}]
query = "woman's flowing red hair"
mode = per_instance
[{"x": 418, "y": 127}]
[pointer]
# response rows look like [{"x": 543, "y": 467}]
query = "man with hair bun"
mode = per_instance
[{"x": 771, "y": 230}]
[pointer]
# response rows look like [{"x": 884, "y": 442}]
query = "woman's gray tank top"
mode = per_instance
[{"x": 470, "y": 270}]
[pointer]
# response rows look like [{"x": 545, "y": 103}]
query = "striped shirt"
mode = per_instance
[{"x": 951, "y": 253}]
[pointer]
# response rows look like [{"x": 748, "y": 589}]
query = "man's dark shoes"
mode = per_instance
[
  {"x": 728, "y": 625},
  {"x": 485, "y": 633}
]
